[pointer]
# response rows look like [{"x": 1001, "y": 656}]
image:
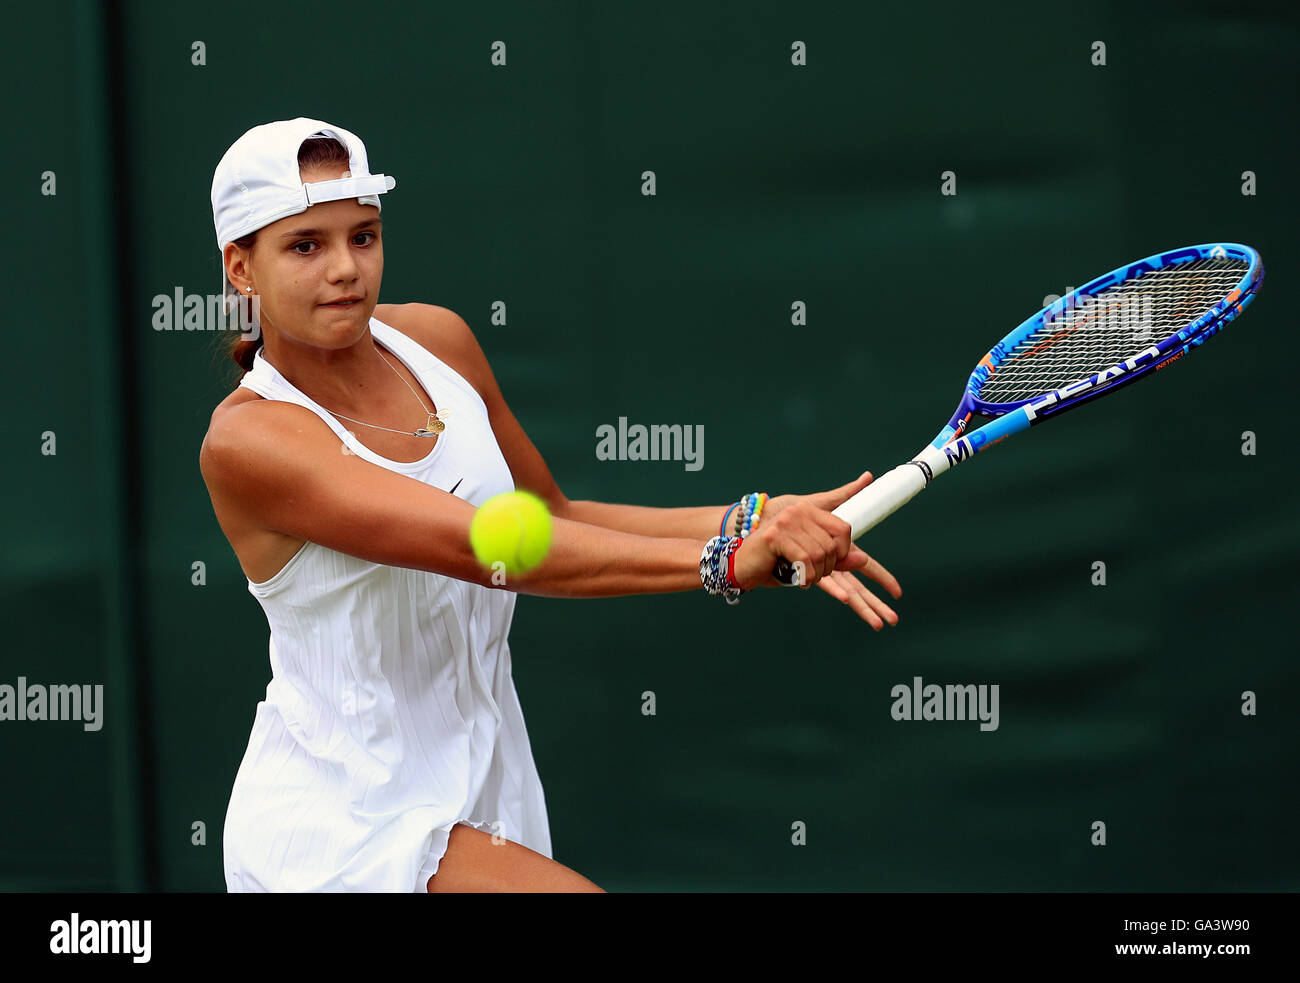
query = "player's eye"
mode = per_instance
[{"x": 309, "y": 242}]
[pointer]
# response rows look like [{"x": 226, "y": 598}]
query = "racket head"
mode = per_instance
[{"x": 1112, "y": 331}]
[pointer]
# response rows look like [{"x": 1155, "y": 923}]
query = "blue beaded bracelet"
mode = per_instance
[{"x": 750, "y": 511}]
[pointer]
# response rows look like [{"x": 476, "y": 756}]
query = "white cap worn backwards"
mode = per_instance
[{"x": 258, "y": 181}]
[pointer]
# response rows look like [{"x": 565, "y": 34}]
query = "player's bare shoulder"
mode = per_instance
[
  {"x": 432, "y": 326},
  {"x": 447, "y": 335},
  {"x": 224, "y": 429},
  {"x": 243, "y": 425}
]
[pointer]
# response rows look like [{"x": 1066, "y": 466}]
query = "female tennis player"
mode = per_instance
[{"x": 390, "y": 753}]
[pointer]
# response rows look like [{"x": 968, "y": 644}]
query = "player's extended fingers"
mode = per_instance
[
  {"x": 832, "y": 585},
  {"x": 876, "y": 604},
  {"x": 883, "y": 577},
  {"x": 865, "y": 611},
  {"x": 849, "y": 590},
  {"x": 854, "y": 559}
]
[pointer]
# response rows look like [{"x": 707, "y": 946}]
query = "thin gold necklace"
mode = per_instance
[{"x": 430, "y": 429}]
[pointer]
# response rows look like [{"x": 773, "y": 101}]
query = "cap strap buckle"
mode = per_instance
[{"x": 348, "y": 187}]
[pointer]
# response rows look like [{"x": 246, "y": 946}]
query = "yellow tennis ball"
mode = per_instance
[{"x": 514, "y": 529}]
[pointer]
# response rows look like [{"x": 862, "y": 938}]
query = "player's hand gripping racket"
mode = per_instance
[{"x": 1118, "y": 328}]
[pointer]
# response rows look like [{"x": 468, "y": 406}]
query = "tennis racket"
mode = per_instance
[{"x": 1119, "y": 328}]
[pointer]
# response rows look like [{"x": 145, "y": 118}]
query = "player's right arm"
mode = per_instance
[{"x": 286, "y": 471}]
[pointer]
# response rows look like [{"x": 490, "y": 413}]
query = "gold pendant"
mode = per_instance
[{"x": 432, "y": 428}]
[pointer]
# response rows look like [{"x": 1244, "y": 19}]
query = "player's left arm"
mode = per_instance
[{"x": 530, "y": 471}]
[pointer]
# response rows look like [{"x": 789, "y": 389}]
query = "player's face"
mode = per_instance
[{"x": 303, "y": 263}]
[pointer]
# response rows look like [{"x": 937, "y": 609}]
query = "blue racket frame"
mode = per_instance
[
  {"x": 956, "y": 443},
  {"x": 1038, "y": 408}
]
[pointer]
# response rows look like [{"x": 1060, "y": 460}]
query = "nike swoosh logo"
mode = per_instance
[{"x": 454, "y": 487}]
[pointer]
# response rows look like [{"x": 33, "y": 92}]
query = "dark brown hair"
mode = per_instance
[{"x": 314, "y": 153}]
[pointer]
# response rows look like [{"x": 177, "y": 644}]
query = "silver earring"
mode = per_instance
[{"x": 249, "y": 289}]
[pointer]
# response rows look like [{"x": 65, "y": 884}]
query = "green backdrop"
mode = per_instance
[{"x": 776, "y": 184}]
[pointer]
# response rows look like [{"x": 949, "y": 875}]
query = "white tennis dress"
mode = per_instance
[{"x": 391, "y": 714}]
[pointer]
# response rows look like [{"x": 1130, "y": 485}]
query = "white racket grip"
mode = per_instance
[{"x": 884, "y": 496}]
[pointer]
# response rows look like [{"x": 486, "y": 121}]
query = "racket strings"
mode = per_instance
[{"x": 1110, "y": 327}]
